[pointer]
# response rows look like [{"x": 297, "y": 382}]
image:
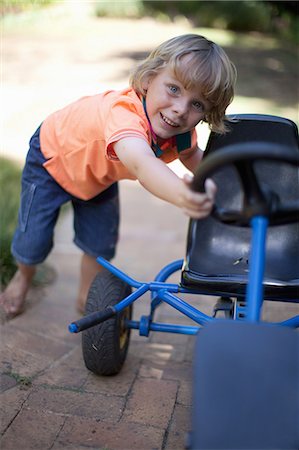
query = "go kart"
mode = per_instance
[{"x": 246, "y": 253}]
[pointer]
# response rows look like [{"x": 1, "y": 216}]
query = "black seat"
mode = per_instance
[{"x": 217, "y": 254}]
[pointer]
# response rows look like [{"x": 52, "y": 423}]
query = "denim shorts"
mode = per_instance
[{"x": 96, "y": 221}]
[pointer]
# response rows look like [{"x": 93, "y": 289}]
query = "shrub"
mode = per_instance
[
  {"x": 16, "y": 6},
  {"x": 129, "y": 8},
  {"x": 276, "y": 17},
  {"x": 10, "y": 178},
  {"x": 232, "y": 15}
]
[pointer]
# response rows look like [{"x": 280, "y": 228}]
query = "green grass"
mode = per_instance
[
  {"x": 10, "y": 178},
  {"x": 23, "y": 381}
]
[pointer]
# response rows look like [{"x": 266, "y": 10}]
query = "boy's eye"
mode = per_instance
[
  {"x": 198, "y": 106},
  {"x": 173, "y": 89}
]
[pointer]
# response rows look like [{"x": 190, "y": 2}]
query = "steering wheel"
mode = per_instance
[{"x": 256, "y": 199}]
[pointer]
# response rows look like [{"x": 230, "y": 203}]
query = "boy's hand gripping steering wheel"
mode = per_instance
[{"x": 256, "y": 199}]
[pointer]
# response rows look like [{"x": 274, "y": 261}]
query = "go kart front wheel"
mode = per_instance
[{"x": 105, "y": 346}]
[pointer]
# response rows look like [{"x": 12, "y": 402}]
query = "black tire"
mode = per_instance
[{"x": 105, "y": 346}]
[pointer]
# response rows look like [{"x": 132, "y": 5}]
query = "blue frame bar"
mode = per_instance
[
  {"x": 255, "y": 288},
  {"x": 165, "y": 327},
  {"x": 118, "y": 273},
  {"x": 185, "y": 308},
  {"x": 169, "y": 270},
  {"x": 293, "y": 322},
  {"x": 161, "y": 291},
  {"x": 164, "y": 292},
  {"x": 162, "y": 276},
  {"x": 131, "y": 298}
]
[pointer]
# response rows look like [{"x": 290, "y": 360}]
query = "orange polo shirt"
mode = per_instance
[{"x": 78, "y": 141}]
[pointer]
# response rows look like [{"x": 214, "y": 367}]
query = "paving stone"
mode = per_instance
[
  {"x": 169, "y": 338},
  {"x": 151, "y": 402},
  {"x": 83, "y": 404},
  {"x": 6, "y": 382},
  {"x": 162, "y": 367},
  {"x": 67, "y": 372},
  {"x": 279, "y": 311},
  {"x": 11, "y": 402},
  {"x": 168, "y": 314},
  {"x": 179, "y": 428},
  {"x": 185, "y": 393},
  {"x": 14, "y": 338},
  {"x": 21, "y": 362},
  {"x": 178, "y": 371},
  {"x": 118, "y": 385},
  {"x": 47, "y": 319},
  {"x": 32, "y": 430},
  {"x": 73, "y": 447},
  {"x": 158, "y": 351},
  {"x": 108, "y": 435},
  {"x": 151, "y": 370},
  {"x": 189, "y": 350}
]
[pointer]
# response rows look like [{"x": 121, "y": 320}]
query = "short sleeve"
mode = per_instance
[{"x": 125, "y": 119}]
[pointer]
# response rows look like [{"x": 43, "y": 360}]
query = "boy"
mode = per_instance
[{"x": 79, "y": 154}]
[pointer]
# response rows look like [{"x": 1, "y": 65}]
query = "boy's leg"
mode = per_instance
[
  {"x": 13, "y": 298},
  {"x": 96, "y": 224},
  {"x": 41, "y": 198},
  {"x": 89, "y": 269}
]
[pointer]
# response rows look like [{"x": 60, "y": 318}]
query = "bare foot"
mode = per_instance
[
  {"x": 13, "y": 298},
  {"x": 80, "y": 306},
  {"x": 89, "y": 269}
]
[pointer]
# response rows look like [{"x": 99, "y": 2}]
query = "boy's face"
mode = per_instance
[{"x": 170, "y": 107}]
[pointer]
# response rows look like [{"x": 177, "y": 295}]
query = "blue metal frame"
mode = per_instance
[
  {"x": 161, "y": 291},
  {"x": 255, "y": 290}
]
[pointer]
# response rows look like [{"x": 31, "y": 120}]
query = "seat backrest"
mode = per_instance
[
  {"x": 255, "y": 127},
  {"x": 215, "y": 249}
]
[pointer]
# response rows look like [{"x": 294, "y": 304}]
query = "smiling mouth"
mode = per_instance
[{"x": 168, "y": 121}]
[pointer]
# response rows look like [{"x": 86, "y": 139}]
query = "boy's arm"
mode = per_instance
[{"x": 155, "y": 176}]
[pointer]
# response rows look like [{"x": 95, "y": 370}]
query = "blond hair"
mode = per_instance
[{"x": 209, "y": 70}]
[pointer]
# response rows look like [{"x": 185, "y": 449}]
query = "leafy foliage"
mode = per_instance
[
  {"x": 128, "y": 8},
  {"x": 15, "y": 6},
  {"x": 276, "y": 17},
  {"x": 10, "y": 176}
]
